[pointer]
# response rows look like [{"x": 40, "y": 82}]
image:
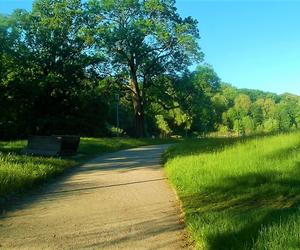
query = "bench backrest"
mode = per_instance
[
  {"x": 43, "y": 146},
  {"x": 54, "y": 145}
]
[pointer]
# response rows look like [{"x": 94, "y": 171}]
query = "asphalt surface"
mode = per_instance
[{"x": 120, "y": 200}]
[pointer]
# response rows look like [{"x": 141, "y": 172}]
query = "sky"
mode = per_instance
[{"x": 250, "y": 44}]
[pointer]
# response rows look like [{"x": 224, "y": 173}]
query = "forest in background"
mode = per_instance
[{"x": 68, "y": 67}]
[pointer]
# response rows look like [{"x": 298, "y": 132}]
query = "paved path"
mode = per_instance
[{"x": 117, "y": 201}]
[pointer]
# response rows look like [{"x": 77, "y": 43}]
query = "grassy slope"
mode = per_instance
[
  {"x": 19, "y": 172},
  {"x": 240, "y": 194}
]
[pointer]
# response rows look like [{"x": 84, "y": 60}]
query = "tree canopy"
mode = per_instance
[
  {"x": 141, "y": 41},
  {"x": 68, "y": 65}
]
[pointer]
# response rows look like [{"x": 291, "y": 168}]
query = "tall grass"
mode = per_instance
[
  {"x": 239, "y": 193},
  {"x": 20, "y": 172}
]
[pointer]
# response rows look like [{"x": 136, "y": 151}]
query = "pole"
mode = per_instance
[
  {"x": 118, "y": 123},
  {"x": 117, "y": 109}
]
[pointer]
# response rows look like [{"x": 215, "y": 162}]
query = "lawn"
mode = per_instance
[
  {"x": 19, "y": 172},
  {"x": 239, "y": 193}
]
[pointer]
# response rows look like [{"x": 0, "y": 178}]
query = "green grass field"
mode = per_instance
[
  {"x": 19, "y": 172},
  {"x": 239, "y": 193}
]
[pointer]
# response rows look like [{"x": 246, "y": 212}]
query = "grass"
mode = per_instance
[
  {"x": 20, "y": 172},
  {"x": 239, "y": 193}
]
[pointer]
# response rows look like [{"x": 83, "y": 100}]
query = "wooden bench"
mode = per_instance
[
  {"x": 43, "y": 146},
  {"x": 69, "y": 144},
  {"x": 55, "y": 145}
]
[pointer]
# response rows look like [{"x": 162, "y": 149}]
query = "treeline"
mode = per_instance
[
  {"x": 226, "y": 110},
  {"x": 120, "y": 67},
  {"x": 252, "y": 111}
]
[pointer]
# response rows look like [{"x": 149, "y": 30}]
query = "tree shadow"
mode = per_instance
[
  {"x": 122, "y": 162},
  {"x": 248, "y": 202},
  {"x": 143, "y": 231},
  {"x": 283, "y": 152}
]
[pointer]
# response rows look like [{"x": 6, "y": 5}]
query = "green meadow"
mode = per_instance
[
  {"x": 21, "y": 172},
  {"x": 239, "y": 193}
]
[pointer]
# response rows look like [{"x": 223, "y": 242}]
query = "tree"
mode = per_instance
[
  {"x": 247, "y": 125},
  {"x": 51, "y": 69},
  {"x": 271, "y": 125},
  {"x": 142, "y": 40},
  {"x": 62, "y": 64},
  {"x": 220, "y": 105},
  {"x": 242, "y": 104},
  {"x": 283, "y": 117},
  {"x": 241, "y": 109},
  {"x": 3, "y": 42},
  {"x": 291, "y": 106},
  {"x": 257, "y": 114},
  {"x": 229, "y": 92},
  {"x": 206, "y": 79},
  {"x": 162, "y": 125},
  {"x": 198, "y": 98},
  {"x": 269, "y": 107}
]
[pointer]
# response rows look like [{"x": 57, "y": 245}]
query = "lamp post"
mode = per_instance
[{"x": 117, "y": 96}]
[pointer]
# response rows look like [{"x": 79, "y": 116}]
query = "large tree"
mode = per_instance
[
  {"x": 47, "y": 79},
  {"x": 143, "y": 40}
]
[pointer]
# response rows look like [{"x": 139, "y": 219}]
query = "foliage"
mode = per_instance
[
  {"x": 162, "y": 125},
  {"x": 45, "y": 85},
  {"x": 68, "y": 65},
  {"x": 141, "y": 41},
  {"x": 253, "y": 111}
]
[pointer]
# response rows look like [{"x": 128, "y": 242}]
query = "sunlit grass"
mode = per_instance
[
  {"x": 239, "y": 194},
  {"x": 21, "y": 172}
]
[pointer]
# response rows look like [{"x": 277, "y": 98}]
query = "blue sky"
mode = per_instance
[{"x": 250, "y": 44}]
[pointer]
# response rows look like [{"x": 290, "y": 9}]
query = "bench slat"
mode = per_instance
[{"x": 52, "y": 145}]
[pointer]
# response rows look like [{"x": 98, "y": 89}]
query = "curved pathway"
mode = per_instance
[{"x": 117, "y": 201}]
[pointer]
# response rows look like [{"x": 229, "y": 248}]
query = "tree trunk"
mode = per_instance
[
  {"x": 138, "y": 107},
  {"x": 139, "y": 120}
]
